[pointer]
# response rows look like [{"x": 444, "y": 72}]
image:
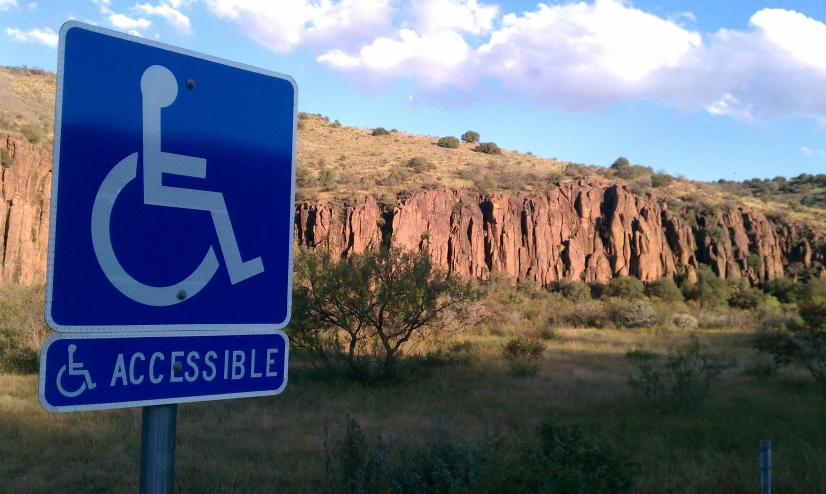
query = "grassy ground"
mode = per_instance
[{"x": 276, "y": 444}]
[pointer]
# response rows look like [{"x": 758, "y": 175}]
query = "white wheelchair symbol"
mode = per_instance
[
  {"x": 75, "y": 369},
  {"x": 159, "y": 89}
]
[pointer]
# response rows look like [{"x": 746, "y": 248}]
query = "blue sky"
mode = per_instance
[{"x": 702, "y": 88}]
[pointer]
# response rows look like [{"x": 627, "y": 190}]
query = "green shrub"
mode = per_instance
[
  {"x": 661, "y": 180},
  {"x": 327, "y": 177},
  {"x": 33, "y": 133},
  {"x": 522, "y": 354},
  {"x": 488, "y": 148},
  {"x": 420, "y": 165},
  {"x": 15, "y": 356},
  {"x": 5, "y": 158},
  {"x": 575, "y": 291},
  {"x": 755, "y": 262},
  {"x": 574, "y": 463},
  {"x": 625, "y": 287},
  {"x": 355, "y": 464},
  {"x": 364, "y": 309},
  {"x": 620, "y": 163},
  {"x": 713, "y": 232},
  {"x": 785, "y": 289},
  {"x": 710, "y": 291},
  {"x": 336, "y": 124},
  {"x": 680, "y": 382},
  {"x": 470, "y": 136},
  {"x": 22, "y": 328},
  {"x": 303, "y": 115},
  {"x": 562, "y": 459},
  {"x": 666, "y": 290},
  {"x": 614, "y": 310},
  {"x": 449, "y": 142},
  {"x": 380, "y": 131}
]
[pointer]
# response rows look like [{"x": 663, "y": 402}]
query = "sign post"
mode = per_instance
[
  {"x": 158, "y": 449},
  {"x": 171, "y": 237}
]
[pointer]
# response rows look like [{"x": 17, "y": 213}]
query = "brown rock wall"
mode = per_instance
[
  {"x": 25, "y": 195},
  {"x": 585, "y": 230}
]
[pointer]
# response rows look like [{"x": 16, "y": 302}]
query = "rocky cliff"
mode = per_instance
[
  {"x": 25, "y": 192},
  {"x": 589, "y": 229}
]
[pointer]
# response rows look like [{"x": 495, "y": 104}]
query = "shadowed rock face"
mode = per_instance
[{"x": 585, "y": 230}]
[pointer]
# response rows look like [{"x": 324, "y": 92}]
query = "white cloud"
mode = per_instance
[
  {"x": 173, "y": 17},
  {"x": 121, "y": 21},
  {"x": 31, "y": 5},
  {"x": 6, "y": 4},
  {"x": 438, "y": 55},
  {"x": 324, "y": 24},
  {"x": 43, "y": 36},
  {"x": 575, "y": 56},
  {"x": 135, "y": 33},
  {"x": 805, "y": 150},
  {"x": 461, "y": 15}
]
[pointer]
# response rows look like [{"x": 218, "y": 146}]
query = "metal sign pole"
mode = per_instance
[
  {"x": 765, "y": 467},
  {"x": 158, "y": 449}
]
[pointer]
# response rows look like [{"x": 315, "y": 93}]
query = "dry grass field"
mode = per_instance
[{"x": 276, "y": 444}]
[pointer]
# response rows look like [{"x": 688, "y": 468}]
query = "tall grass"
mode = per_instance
[{"x": 267, "y": 444}]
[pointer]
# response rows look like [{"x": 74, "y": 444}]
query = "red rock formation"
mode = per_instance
[
  {"x": 586, "y": 230},
  {"x": 26, "y": 194}
]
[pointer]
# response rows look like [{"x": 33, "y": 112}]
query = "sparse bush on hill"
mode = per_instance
[
  {"x": 303, "y": 115},
  {"x": 620, "y": 162},
  {"x": 488, "y": 148},
  {"x": 33, "y": 133},
  {"x": 449, "y": 142},
  {"x": 420, "y": 165},
  {"x": 680, "y": 382},
  {"x": 336, "y": 124},
  {"x": 661, "y": 180},
  {"x": 470, "y": 136},
  {"x": 380, "y": 131}
]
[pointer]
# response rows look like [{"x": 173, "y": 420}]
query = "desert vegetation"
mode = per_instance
[{"x": 404, "y": 379}]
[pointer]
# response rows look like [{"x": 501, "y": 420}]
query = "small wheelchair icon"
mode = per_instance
[
  {"x": 159, "y": 89},
  {"x": 75, "y": 369}
]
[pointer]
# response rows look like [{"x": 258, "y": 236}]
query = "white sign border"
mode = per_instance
[
  {"x": 41, "y": 393},
  {"x": 159, "y": 328}
]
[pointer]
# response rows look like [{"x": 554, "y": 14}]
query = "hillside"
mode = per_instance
[{"x": 536, "y": 218}]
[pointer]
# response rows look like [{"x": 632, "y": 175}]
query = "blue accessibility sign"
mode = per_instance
[
  {"x": 172, "y": 190},
  {"x": 96, "y": 371}
]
